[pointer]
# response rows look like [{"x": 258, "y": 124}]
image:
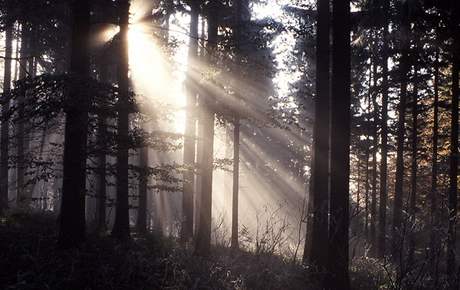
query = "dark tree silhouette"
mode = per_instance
[
  {"x": 72, "y": 217},
  {"x": 121, "y": 226},
  {"x": 4, "y": 138},
  {"x": 340, "y": 147},
  {"x": 315, "y": 252}
]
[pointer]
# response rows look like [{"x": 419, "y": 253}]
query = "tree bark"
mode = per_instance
[
  {"x": 397, "y": 231},
  {"x": 4, "y": 139},
  {"x": 340, "y": 151},
  {"x": 143, "y": 182},
  {"x": 22, "y": 198},
  {"x": 434, "y": 224},
  {"x": 414, "y": 167},
  {"x": 72, "y": 215},
  {"x": 383, "y": 196},
  {"x": 452, "y": 271},
  {"x": 236, "y": 169},
  {"x": 315, "y": 252},
  {"x": 102, "y": 189},
  {"x": 121, "y": 229},
  {"x": 203, "y": 239},
  {"x": 375, "y": 108},
  {"x": 190, "y": 128}
]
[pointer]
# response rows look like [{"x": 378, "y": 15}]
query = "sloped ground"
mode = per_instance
[{"x": 29, "y": 260}]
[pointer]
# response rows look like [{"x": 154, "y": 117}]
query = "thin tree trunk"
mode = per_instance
[
  {"x": 383, "y": 196},
  {"x": 374, "y": 165},
  {"x": 121, "y": 225},
  {"x": 102, "y": 189},
  {"x": 143, "y": 182},
  {"x": 4, "y": 141},
  {"x": 315, "y": 252},
  {"x": 203, "y": 238},
  {"x": 238, "y": 12},
  {"x": 434, "y": 232},
  {"x": 452, "y": 271},
  {"x": 236, "y": 170},
  {"x": 72, "y": 215},
  {"x": 22, "y": 198},
  {"x": 190, "y": 128},
  {"x": 412, "y": 202},
  {"x": 340, "y": 151},
  {"x": 366, "y": 192},
  {"x": 397, "y": 231}
]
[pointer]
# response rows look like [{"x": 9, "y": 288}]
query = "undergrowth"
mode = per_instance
[{"x": 29, "y": 259}]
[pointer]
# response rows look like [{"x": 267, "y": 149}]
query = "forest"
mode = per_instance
[{"x": 229, "y": 144}]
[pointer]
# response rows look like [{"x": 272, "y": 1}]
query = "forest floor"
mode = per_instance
[{"x": 29, "y": 260}]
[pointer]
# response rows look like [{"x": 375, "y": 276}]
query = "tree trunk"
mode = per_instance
[
  {"x": 397, "y": 231},
  {"x": 121, "y": 226},
  {"x": 203, "y": 239},
  {"x": 366, "y": 192},
  {"x": 72, "y": 215},
  {"x": 238, "y": 14},
  {"x": 434, "y": 231},
  {"x": 22, "y": 198},
  {"x": 143, "y": 182},
  {"x": 383, "y": 196},
  {"x": 412, "y": 202},
  {"x": 452, "y": 270},
  {"x": 4, "y": 139},
  {"x": 315, "y": 252},
  {"x": 190, "y": 128},
  {"x": 101, "y": 198},
  {"x": 236, "y": 170},
  {"x": 340, "y": 151},
  {"x": 375, "y": 148}
]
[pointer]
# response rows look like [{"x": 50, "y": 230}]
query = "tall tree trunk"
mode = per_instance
[
  {"x": 375, "y": 148},
  {"x": 203, "y": 238},
  {"x": 383, "y": 196},
  {"x": 340, "y": 151},
  {"x": 315, "y": 252},
  {"x": 4, "y": 138},
  {"x": 452, "y": 270},
  {"x": 238, "y": 14},
  {"x": 72, "y": 215},
  {"x": 366, "y": 192},
  {"x": 22, "y": 198},
  {"x": 397, "y": 234},
  {"x": 190, "y": 128},
  {"x": 236, "y": 170},
  {"x": 412, "y": 202},
  {"x": 143, "y": 182},
  {"x": 121, "y": 226},
  {"x": 102, "y": 189},
  {"x": 101, "y": 198},
  {"x": 434, "y": 224}
]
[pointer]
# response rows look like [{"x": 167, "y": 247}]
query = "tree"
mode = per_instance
[
  {"x": 398, "y": 197},
  {"x": 203, "y": 237},
  {"x": 143, "y": 182},
  {"x": 4, "y": 138},
  {"x": 121, "y": 226},
  {"x": 190, "y": 127},
  {"x": 340, "y": 147},
  {"x": 414, "y": 167},
  {"x": 22, "y": 198},
  {"x": 434, "y": 222},
  {"x": 72, "y": 217},
  {"x": 375, "y": 108},
  {"x": 383, "y": 196},
  {"x": 315, "y": 252},
  {"x": 453, "y": 158}
]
